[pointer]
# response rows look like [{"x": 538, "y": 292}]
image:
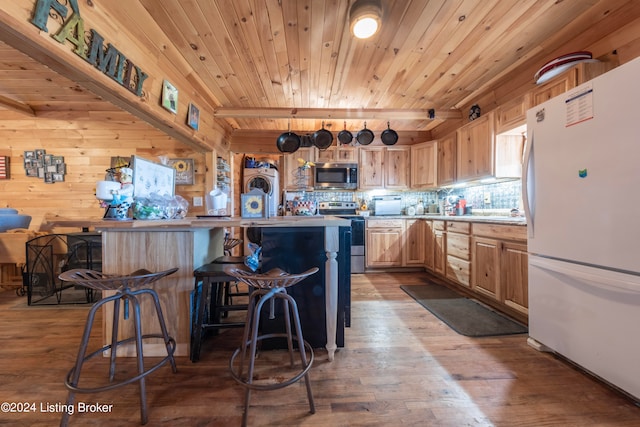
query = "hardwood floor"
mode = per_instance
[{"x": 400, "y": 366}]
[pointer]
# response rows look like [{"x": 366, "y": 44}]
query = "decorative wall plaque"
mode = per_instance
[{"x": 184, "y": 170}]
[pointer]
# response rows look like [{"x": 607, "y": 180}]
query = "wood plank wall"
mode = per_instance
[{"x": 87, "y": 145}]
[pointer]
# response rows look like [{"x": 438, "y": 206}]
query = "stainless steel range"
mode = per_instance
[{"x": 348, "y": 210}]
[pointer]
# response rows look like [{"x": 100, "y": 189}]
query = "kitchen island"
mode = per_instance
[{"x": 191, "y": 242}]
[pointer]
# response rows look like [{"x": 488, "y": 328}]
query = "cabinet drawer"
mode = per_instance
[
  {"x": 458, "y": 245},
  {"x": 385, "y": 223},
  {"x": 459, "y": 226},
  {"x": 439, "y": 225},
  {"x": 458, "y": 270},
  {"x": 503, "y": 232}
]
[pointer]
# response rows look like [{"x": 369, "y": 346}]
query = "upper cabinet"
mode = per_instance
[
  {"x": 447, "y": 160},
  {"x": 337, "y": 154},
  {"x": 475, "y": 149},
  {"x": 573, "y": 77},
  {"x": 481, "y": 154},
  {"x": 512, "y": 114},
  {"x": 384, "y": 167},
  {"x": 424, "y": 165}
]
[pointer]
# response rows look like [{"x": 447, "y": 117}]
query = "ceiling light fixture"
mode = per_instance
[{"x": 365, "y": 18}]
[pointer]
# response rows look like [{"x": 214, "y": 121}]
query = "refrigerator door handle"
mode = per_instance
[
  {"x": 610, "y": 281},
  {"x": 528, "y": 194}
]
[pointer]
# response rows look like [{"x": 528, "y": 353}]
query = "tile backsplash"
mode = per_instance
[{"x": 504, "y": 195}]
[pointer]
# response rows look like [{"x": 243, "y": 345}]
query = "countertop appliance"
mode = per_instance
[
  {"x": 335, "y": 176},
  {"x": 584, "y": 262},
  {"x": 387, "y": 205},
  {"x": 348, "y": 210}
]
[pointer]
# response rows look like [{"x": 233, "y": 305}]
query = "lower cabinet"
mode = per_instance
[
  {"x": 384, "y": 243},
  {"x": 486, "y": 266},
  {"x": 429, "y": 244},
  {"x": 458, "y": 261},
  {"x": 489, "y": 259},
  {"x": 439, "y": 247},
  {"x": 500, "y": 264},
  {"x": 514, "y": 275},
  {"x": 414, "y": 248}
]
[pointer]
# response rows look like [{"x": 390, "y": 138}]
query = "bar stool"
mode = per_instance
[
  {"x": 228, "y": 245},
  {"x": 213, "y": 295},
  {"x": 269, "y": 287},
  {"x": 127, "y": 289}
]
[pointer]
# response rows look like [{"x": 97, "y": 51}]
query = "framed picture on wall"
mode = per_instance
[
  {"x": 169, "y": 97},
  {"x": 193, "y": 119},
  {"x": 184, "y": 170}
]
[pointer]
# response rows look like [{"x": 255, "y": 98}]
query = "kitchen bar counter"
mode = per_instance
[{"x": 188, "y": 243}]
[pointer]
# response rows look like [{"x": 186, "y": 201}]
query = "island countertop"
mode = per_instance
[{"x": 203, "y": 222}]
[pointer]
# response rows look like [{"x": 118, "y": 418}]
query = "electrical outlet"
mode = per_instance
[
  {"x": 487, "y": 198},
  {"x": 197, "y": 201}
]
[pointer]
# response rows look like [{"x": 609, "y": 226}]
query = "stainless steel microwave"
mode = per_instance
[{"x": 335, "y": 176}]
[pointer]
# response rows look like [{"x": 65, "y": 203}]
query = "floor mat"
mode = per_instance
[{"x": 463, "y": 315}]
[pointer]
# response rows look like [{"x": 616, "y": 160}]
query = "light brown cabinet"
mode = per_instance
[
  {"x": 439, "y": 247},
  {"x": 446, "y": 165},
  {"x": 384, "y": 243},
  {"x": 571, "y": 78},
  {"x": 512, "y": 114},
  {"x": 429, "y": 244},
  {"x": 337, "y": 154},
  {"x": 500, "y": 264},
  {"x": 384, "y": 167},
  {"x": 554, "y": 87},
  {"x": 424, "y": 165},
  {"x": 481, "y": 154},
  {"x": 458, "y": 250},
  {"x": 514, "y": 275},
  {"x": 414, "y": 247},
  {"x": 486, "y": 266},
  {"x": 474, "y": 150}
]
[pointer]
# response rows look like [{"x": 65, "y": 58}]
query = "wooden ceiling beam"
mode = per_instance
[
  {"x": 338, "y": 113},
  {"x": 19, "y": 107}
]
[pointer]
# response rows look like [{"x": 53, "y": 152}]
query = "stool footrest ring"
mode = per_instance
[
  {"x": 295, "y": 378},
  {"x": 111, "y": 386}
]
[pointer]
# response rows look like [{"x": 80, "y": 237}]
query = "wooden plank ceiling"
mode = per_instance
[{"x": 274, "y": 63}]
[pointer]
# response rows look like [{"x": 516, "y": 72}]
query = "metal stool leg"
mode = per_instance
[
  {"x": 255, "y": 326},
  {"x": 197, "y": 330},
  {"x": 301, "y": 348},
  {"x": 163, "y": 326},
  {"x": 140, "y": 360},
  {"x": 82, "y": 351},
  {"x": 114, "y": 339}
]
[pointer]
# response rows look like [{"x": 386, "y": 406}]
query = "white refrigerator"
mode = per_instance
[{"x": 581, "y": 191}]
